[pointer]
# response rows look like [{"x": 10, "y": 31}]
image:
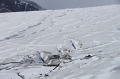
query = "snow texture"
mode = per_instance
[{"x": 86, "y": 39}]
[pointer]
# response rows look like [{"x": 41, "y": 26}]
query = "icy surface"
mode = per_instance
[{"x": 90, "y": 36}]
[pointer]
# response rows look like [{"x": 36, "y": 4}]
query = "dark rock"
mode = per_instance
[
  {"x": 18, "y": 5},
  {"x": 46, "y": 75},
  {"x": 88, "y": 56},
  {"x": 54, "y": 57},
  {"x": 51, "y": 60}
]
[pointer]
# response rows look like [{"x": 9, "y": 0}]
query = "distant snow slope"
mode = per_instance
[{"x": 81, "y": 32}]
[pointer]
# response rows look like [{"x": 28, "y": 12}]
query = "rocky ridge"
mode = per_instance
[{"x": 18, "y": 5}]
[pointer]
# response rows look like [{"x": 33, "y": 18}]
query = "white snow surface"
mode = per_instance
[{"x": 84, "y": 31}]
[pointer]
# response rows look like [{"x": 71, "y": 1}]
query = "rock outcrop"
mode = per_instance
[{"x": 18, "y": 5}]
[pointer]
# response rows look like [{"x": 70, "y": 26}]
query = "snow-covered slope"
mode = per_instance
[{"x": 90, "y": 36}]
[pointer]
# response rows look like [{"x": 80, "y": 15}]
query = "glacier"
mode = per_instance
[{"x": 88, "y": 39}]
